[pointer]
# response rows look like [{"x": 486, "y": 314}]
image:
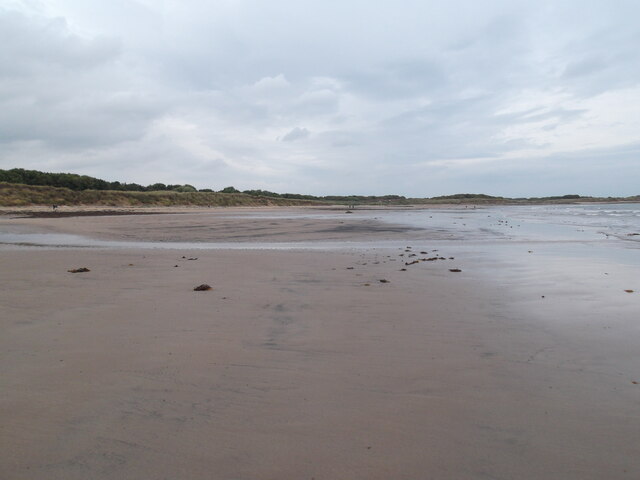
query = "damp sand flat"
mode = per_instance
[
  {"x": 221, "y": 225},
  {"x": 303, "y": 364}
]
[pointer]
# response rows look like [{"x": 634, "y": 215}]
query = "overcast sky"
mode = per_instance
[{"x": 418, "y": 98}]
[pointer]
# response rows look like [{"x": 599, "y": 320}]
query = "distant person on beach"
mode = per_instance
[{"x": 54, "y": 207}]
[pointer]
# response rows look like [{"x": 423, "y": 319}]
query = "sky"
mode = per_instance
[{"x": 416, "y": 98}]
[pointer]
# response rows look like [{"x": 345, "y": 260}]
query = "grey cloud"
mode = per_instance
[
  {"x": 391, "y": 93},
  {"x": 584, "y": 66},
  {"x": 557, "y": 115},
  {"x": 65, "y": 90},
  {"x": 597, "y": 172},
  {"x": 30, "y": 47},
  {"x": 408, "y": 78},
  {"x": 296, "y": 134},
  {"x": 317, "y": 102}
]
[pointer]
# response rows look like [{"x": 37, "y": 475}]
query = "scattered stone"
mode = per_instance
[
  {"x": 634, "y": 382},
  {"x": 382, "y": 280},
  {"x": 192, "y": 258},
  {"x": 403, "y": 269},
  {"x": 629, "y": 291},
  {"x": 348, "y": 211},
  {"x": 367, "y": 284},
  {"x": 176, "y": 266},
  {"x": 79, "y": 270},
  {"x": 423, "y": 253},
  {"x": 455, "y": 270},
  {"x": 202, "y": 288},
  {"x": 412, "y": 263},
  {"x": 452, "y": 258},
  {"x": 349, "y": 268}
]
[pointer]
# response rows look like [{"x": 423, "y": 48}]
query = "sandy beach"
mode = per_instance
[
  {"x": 308, "y": 363},
  {"x": 244, "y": 224}
]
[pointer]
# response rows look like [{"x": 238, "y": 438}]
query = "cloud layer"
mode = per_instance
[{"x": 511, "y": 98}]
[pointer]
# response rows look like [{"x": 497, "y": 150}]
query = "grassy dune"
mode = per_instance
[
  {"x": 20, "y": 195},
  {"x": 17, "y": 195}
]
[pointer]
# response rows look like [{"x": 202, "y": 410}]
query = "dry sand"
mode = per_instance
[{"x": 292, "y": 367}]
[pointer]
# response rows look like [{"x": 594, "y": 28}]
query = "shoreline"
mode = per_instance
[{"x": 45, "y": 211}]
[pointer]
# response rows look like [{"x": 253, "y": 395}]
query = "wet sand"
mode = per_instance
[
  {"x": 302, "y": 364},
  {"x": 220, "y": 225}
]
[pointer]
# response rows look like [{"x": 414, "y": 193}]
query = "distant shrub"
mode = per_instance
[{"x": 185, "y": 189}]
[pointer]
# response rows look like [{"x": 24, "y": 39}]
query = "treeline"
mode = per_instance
[
  {"x": 20, "y": 195},
  {"x": 560, "y": 197},
  {"x": 465, "y": 196},
  {"x": 77, "y": 183},
  {"x": 352, "y": 199}
]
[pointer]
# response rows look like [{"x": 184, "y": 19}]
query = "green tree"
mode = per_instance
[{"x": 186, "y": 188}]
